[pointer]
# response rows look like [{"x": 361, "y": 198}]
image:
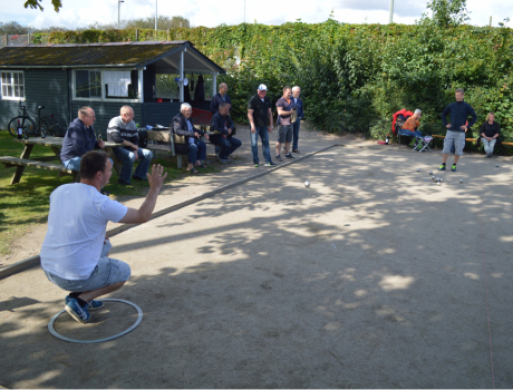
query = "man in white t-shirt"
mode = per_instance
[{"x": 75, "y": 249}]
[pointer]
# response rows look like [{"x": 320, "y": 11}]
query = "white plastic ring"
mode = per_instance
[{"x": 59, "y": 336}]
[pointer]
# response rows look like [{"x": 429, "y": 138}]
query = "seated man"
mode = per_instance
[
  {"x": 412, "y": 124},
  {"x": 222, "y": 123},
  {"x": 75, "y": 249},
  {"x": 79, "y": 139},
  {"x": 122, "y": 130}
]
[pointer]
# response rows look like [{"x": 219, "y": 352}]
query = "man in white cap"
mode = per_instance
[{"x": 261, "y": 119}]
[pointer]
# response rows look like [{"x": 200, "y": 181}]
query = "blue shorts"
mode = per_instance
[{"x": 107, "y": 272}]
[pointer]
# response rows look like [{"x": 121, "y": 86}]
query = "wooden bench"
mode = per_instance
[
  {"x": 40, "y": 163},
  {"x": 163, "y": 141},
  {"x": 473, "y": 140}
]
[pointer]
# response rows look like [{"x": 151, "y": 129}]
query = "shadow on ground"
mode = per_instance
[{"x": 371, "y": 278}]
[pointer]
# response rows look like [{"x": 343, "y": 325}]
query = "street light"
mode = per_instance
[
  {"x": 155, "y": 15},
  {"x": 391, "y": 12},
  {"x": 119, "y": 4}
]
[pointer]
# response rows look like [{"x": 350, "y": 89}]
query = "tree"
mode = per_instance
[
  {"x": 12, "y": 28},
  {"x": 448, "y": 13},
  {"x": 163, "y": 22},
  {"x": 37, "y": 4}
]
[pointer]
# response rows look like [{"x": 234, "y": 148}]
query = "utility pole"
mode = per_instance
[
  {"x": 119, "y": 6},
  {"x": 391, "y": 12},
  {"x": 244, "y": 11},
  {"x": 156, "y": 16},
  {"x": 490, "y": 21}
]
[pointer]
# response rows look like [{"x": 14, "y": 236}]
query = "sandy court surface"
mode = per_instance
[{"x": 372, "y": 277}]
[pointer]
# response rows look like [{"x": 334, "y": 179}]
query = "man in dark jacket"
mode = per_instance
[
  {"x": 196, "y": 150},
  {"x": 79, "y": 139},
  {"x": 222, "y": 124},
  {"x": 219, "y": 98},
  {"x": 459, "y": 112}
]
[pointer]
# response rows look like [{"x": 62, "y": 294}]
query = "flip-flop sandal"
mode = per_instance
[{"x": 192, "y": 171}]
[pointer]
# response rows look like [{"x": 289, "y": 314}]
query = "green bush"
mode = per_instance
[{"x": 354, "y": 77}]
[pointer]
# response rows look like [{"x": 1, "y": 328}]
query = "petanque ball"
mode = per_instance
[
  {"x": 438, "y": 184},
  {"x": 418, "y": 169},
  {"x": 441, "y": 179},
  {"x": 307, "y": 183},
  {"x": 497, "y": 166},
  {"x": 461, "y": 180},
  {"x": 431, "y": 173}
]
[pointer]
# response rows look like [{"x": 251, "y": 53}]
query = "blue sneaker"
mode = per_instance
[
  {"x": 91, "y": 305},
  {"x": 79, "y": 313},
  {"x": 95, "y": 305},
  {"x": 453, "y": 168},
  {"x": 442, "y": 168}
]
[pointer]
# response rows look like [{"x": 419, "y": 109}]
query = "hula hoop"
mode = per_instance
[{"x": 61, "y": 337}]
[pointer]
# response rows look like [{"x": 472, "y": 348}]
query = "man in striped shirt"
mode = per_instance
[{"x": 122, "y": 129}]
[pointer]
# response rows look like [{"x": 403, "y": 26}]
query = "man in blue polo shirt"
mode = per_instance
[{"x": 459, "y": 112}]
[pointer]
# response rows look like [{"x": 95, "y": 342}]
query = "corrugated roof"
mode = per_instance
[{"x": 118, "y": 54}]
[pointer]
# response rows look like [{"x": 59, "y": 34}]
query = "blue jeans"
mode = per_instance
[
  {"x": 227, "y": 146},
  {"x": 295, "y": 134},
  {"x": 197, "y": 151},
  {"x": 488, "y": 145},
  {"x": 73, "y": 163},
  {"x": 264, "y": 136},
  {"x": 409, "y": 133},
  {"x": 127, "y": 157}
]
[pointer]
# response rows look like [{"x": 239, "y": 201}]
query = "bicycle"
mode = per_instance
[{"x": 48, "y": 125}]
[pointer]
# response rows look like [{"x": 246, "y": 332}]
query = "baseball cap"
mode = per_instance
[{"x": 262, "y": 87}]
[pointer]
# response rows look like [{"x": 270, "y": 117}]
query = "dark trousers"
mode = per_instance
[
  {"x": 227, "y": 145},
  {"x": 197, "y": 151}
]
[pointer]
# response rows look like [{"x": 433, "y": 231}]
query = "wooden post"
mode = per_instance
[
  {"x": 168, "y": 35},
  {"x": 136, "y": 35}
]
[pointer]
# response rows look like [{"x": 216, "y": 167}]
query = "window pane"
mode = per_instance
[
  {"x": 16, "y": 91},
  {"x": 4, "y": 90},
  {"x": 22, "y": 92},
  {"x": 15, "y": 78},
  {"x": 6, "y": 78},
  {"x": 20, "y": 78},
  {"x": 9, "y": 91},
  {"x": 82, "y": 83}
]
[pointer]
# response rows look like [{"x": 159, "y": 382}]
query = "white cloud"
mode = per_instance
[{"x": 211, "y": 13}]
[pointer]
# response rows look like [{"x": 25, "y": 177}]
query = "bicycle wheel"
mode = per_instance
[
  {"x": 53, "y": 128},
  {"x": 27, "y": 125}
]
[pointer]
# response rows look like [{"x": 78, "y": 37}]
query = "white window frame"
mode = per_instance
[
  {"x": 12, "y": 72},
  {"x": 103, "y": 98}
]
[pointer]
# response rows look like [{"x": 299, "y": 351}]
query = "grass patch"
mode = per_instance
[{"x": 27, "y": 203}]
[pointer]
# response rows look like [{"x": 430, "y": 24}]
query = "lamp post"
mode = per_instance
[
  {"x": 244, "y": 11},
  {"x": 391, "y": 12},
  {"x": 119, "y": 6},
  {"x": 155, "y": 16}
]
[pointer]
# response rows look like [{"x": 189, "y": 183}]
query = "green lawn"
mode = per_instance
[{"x": 27, "y": 203}]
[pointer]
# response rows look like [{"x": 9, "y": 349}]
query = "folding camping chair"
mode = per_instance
[{"x": 399, "y": 119}]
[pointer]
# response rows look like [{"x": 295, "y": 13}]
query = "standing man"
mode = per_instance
[
  {"x": 223, "y": 124},
  {"x": 122, "y": 130},
  {"x": 79, "y": 139},
  {"x": 260, "y": 118},
  {"x": 285, "y": 124},
  {"x": 75, "y": 249},
  {"x": 297, "y": 103},
  {"x": 459, "y": 111},
  {"x": 220, "y": 97}
]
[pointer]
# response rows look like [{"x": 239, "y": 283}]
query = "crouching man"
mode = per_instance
[
  {"x": 74, "y": 254},
  {"x": 223, "y": 124}
]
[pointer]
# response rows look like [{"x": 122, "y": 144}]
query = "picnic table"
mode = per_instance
[{"x": 54, "y": 143}]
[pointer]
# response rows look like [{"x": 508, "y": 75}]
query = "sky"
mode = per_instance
[{"x": 81, "y": 13}]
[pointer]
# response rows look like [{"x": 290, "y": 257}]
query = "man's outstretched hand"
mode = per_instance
[{"x": 156, "y": 177}]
